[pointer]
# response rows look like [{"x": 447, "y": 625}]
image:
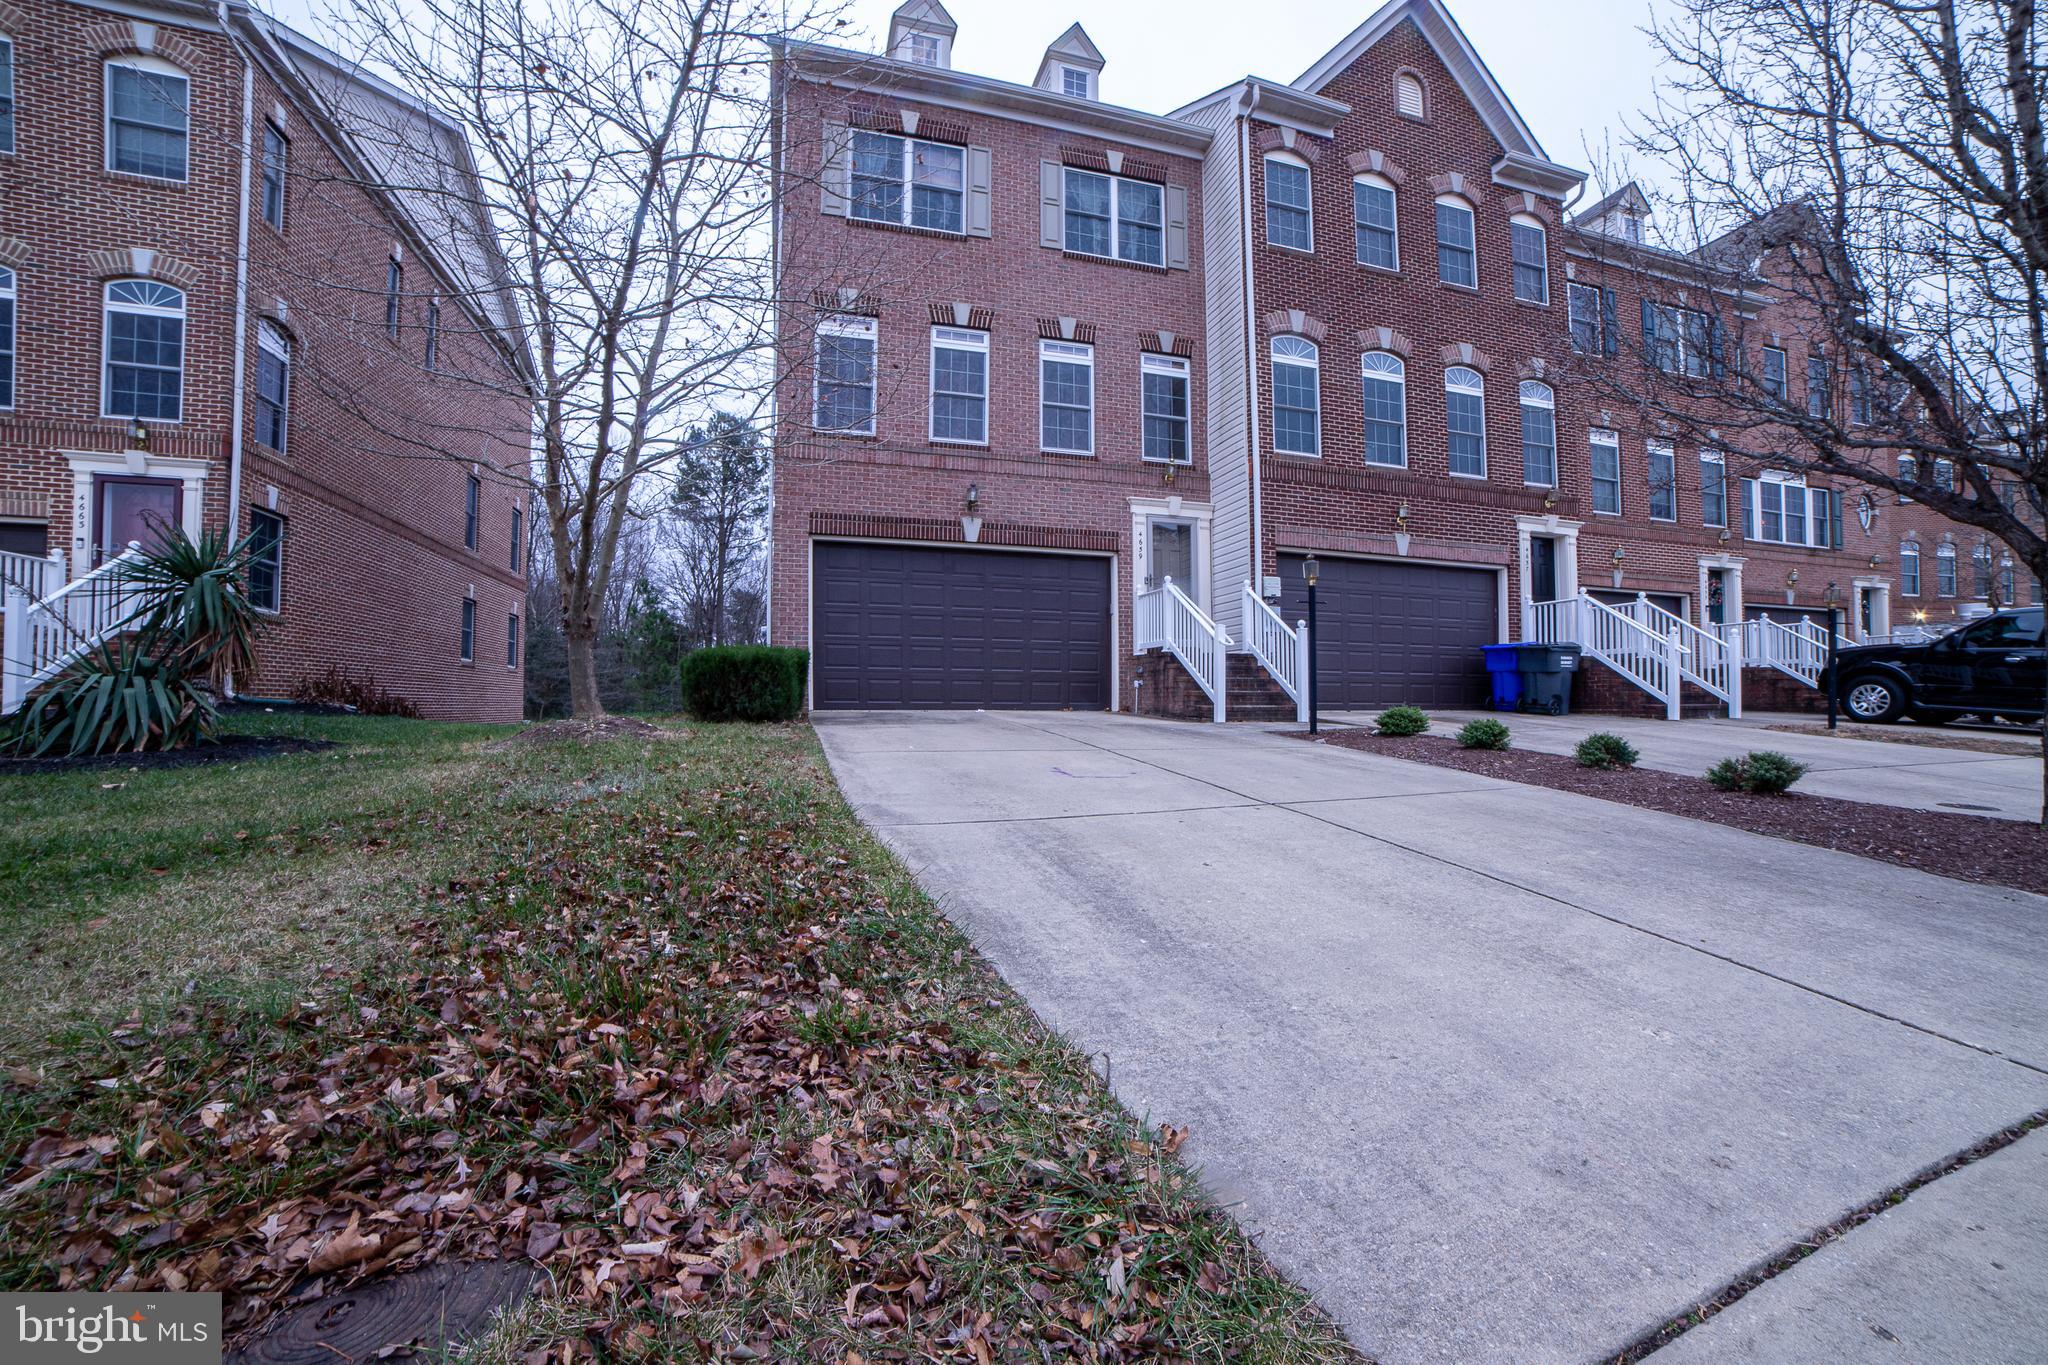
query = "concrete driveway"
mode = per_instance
[
  {"x": 1499, "y": 1073},
  {"x": 1889, "y": 774}
]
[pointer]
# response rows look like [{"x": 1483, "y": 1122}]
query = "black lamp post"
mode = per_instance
[
  {"x": 1315, "y": 638},
  {"x": 1833, "y": 599}
]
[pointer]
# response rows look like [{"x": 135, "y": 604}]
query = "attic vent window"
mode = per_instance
[
  {"x": 921, "y": 48},
  {"x": 1408, "y": 98}
]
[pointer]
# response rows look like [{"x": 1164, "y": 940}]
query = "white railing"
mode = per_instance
[
  {"x": 1711, "y": 661},
  {"x": 1282, "y": 649},
  {"x": 1166, "y": 619},
  {"x": 40, "y": 636},
  {"x": 1799, "y": 650},
  {"x": 37, "y": 576},
  {"x": 1632, "y": 648}
]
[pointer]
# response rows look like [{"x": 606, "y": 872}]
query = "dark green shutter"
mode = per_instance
[{"x": 1609, "y": 342}]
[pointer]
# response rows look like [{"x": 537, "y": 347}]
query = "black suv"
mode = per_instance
[{"x": 1992, "y": 666}]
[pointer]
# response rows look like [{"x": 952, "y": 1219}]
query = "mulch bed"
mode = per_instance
[
  {"x": 2021, "y": 745},
  {"x": 226, "y": 749},
  {"x": 1970, "y": 848}
]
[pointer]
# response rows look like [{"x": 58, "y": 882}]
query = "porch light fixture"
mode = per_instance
[
  {"x": 1791, "y": 577},
  {"x": 1832, "y": 595},
  {"x": 1619, "y": 554},
  {"x": 1549, "y": 499},
  {"x": 138, "y": 434},
  {"x": 973, "y": 496},
  {"x": 1310, "y": 569},
  {"x": 1401, "y": 515}
]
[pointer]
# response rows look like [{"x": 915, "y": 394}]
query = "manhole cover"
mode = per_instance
[
  {"x": 1963, "y": 805},
  {"x": 415, "y": 1313}
]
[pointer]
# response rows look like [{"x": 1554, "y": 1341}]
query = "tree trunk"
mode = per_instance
[{"x": 580, "y": 637}]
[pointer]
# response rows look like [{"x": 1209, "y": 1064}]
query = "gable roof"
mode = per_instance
[
  {"x": 1628, "y": 196},
  {"x": 1073, "y": 48},
  {"x": 923, "y": 15}
]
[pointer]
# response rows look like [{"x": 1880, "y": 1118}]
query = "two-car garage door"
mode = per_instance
[
  {"x": 898, "y": 626},
  {"x": 1395, "y": 632}
]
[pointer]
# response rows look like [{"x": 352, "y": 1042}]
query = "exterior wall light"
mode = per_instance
[{"x": 973, "y": 496}]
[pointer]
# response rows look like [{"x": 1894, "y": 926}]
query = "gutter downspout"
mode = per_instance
[
  {"x": 1247, "y": 104},
  {"x": 241, "y": 348}
]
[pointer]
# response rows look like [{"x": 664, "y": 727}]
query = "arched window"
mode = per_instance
[
  {"x": 1909, "y": 568},
  {"x": 2008, "y": 584},
  {"x": 145, "y": 351},
  {"x": 1297, "y": 397},
  {"x": 1410, "y": 99},
  {"x": 1465, "y": 420},
  {"x": 1529, "y": 247},
  {"x": 1386, "y": 408},
  {"x": 1457, "y": 252},
  {"x": 1372, "y": 213},
  {"x": 1539, "y": 434},
  {"x": 1287, "y": 202},
  {"x": 1945, "y": 570},
  {"x": 273, "y": 383},
  {"x": 148, "y": 118},
  {"x": 1980, "y": 565}
]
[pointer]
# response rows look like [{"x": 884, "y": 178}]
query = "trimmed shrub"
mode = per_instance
[
  {"x": 745, "y": 682},
  {"x": 1399, "y": 722},
  {"x": 1483, "y": 734},
  {"x": 1764, "y": 772},
  {"x": 1605, "y": 750}
]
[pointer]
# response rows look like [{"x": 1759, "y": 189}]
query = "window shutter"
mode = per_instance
[
  {"x": 1714, "y": 347},
  {"x": 1835, "y": 515},
  {"x": 1746, "y": 493},
  {"x": 979, "y": 174},
  {"x": 1051, "y": 205},
  {"x": 1649, "y": 332},
  {"x": 1177, "y": 227},
  {"x": 1609, "y": 342},
  {"x": 835, "y": 183}
]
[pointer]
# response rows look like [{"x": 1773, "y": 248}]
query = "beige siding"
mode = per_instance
[{"x": 1229, "y": 385}]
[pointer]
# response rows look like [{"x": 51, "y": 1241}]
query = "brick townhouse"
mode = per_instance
[
  {"x": 1042, "y": 353},
  {"x": 224, "y": 304}
]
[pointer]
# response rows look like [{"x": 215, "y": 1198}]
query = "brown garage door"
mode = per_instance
[
  {"x": 905, "y": 626},
  {"x": 1395, "y": 632}
]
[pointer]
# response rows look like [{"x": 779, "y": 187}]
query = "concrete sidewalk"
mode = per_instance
[
  {"x": 1886, "y": 774},
  {"x": 1499, "y": 1073}
]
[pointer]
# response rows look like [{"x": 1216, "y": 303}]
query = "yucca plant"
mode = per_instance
[{"x": 153, "y": 685}]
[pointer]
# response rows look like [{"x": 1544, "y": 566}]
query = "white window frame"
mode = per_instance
[
  {"x": 10, "y": 294},
  {"x": 465, "y": 632},
  {"x": 1573, "y": 292},
  {"x": 1464, "y": 206},
  {"x": 281, "y": 164},
  {"x": 922, "y": 49},
  {"x": 1378, "y": 182},
  {"x": 1308, "y": 210},
  {"x": 1067, "y": 75},
  {"x": 1599, "y": 438},
  {"x": 967, "y": 341},
  {"x": 1475, "y": 387},
  {"x": 907, "y": 181},
  {"x": 13, "y": 100},
  {"x": 1384, "y": 367},
  {"x": 1909, "y": 471},
  {"x": 1783, "y": 391},
  {"x": 275, "y": 562},
  {"x": 1668, "y": 453},
  {"x": 153, "y": 66},
  {"x": 1535, "y": 394},
  {"x": 846, "y": 325},
  {"x": 1909, "y": 549},
  {"x": 1301, "y": 353},
  {"x": 1116, "y": 214},
  {"x": 1152, "y": 362},
  {"x": 108, "y": 307},
  {"x": 1065, "y": 353},
  {"x": 271, "y": 338},
  {"x": 1714, "y": 457},
  {"x": 1535, "y": 225},
  {"x": 1782, "y": 485},
  {"x": 1946, "y": 583},
  {"x": 1674, "y": 338}
]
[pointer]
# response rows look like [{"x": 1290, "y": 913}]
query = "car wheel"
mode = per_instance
[{"x": 1877, "y": 700}]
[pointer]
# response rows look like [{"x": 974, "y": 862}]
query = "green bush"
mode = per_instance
[
  {"x": 745, "y": 682},
  {"x": 1765, "y": 772},
  {"x": 1605, "y": 750},
  {"x": 1399, "y": 722},
  {"x": 1483, "y": 734}
]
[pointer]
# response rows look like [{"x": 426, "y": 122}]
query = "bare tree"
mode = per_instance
[
  {"x": 717, "y": 504},
  {"x": 1879, "y": 168}
]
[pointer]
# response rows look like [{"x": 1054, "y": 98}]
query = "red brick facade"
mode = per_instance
[{"x": 372, "y": 483}]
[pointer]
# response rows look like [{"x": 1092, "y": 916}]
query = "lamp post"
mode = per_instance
[
  {"x": 1309, "y": 570},
  {"x": 1833, "y": 598}
]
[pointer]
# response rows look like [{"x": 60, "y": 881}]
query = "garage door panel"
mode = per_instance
[
  {"x": 910, "y": 626},
  {"x": 1395, "y": 632}
]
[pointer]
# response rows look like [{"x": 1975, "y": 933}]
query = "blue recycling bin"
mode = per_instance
[{"x": 1504, "y": 665}]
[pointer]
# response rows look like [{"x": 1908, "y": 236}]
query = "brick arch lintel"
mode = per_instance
[
  {"x": 1276, "y": 139},
  {"x": 114, "y": 37},
  {"x": 1386, "y": 339},
  {"x": 143, "y": 262},
  {"x": 1460, "y": 184},
  {"x": 1374, "y": 162},
  {"x": 1293, "y": 321},
  {"x": 13, "y": 19},
  {"x": 1466, "y": 354},
  {"x": 14, "y": 252},
  {"x": 1534, "y": 205}
]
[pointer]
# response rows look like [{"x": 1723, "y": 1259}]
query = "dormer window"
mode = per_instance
[
  {"x": 1077, "y": 83},
  {"x": 1632, "y": 228},
  {"x": 921, "y": 49}
]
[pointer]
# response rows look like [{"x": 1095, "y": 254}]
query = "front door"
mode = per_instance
[
  {"x": 133, "y": 509},
  {"x": 1170, "y": 553},
  {"x": 1542, "y": 569},
  {"x": 1871, "y": 612}
]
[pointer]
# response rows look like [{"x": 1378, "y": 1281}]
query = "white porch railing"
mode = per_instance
[
  {"x": 1166, "y": 619},
  {"x": 1798, "y": 650},
  {"x": 40, "y": 636},
  {"x": 1281, "y": 648},
  {"x": 36, "y": 576},
  {"x": 1710, "y": 661},
  {"x": 1632, "y": 648}
]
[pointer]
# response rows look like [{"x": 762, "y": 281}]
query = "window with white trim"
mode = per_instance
[
  {"x": 1297, "y": 396},
  {"x": 1604, "y": 456},
  {"x": 920, "y": 49},
  {"x": 1713, "y": 488},
  {"x": 1678, "y": 340},
  {"x": 1945, "y": 570},
  {"x": 1817, "y": 404},
  {"x": 1528, "y": 246},
  {"x": 2008, "y": 584},
  {"x": 1410, "y": 100},
  {"x": 1662, "y": 463},
  {"x": 1909, "y": 568},
  {"x": 273, "y": 383},
  {"x": 266, "y": 559},
  {"x": 1066, "y": 397},
  {"x": 1773, "y": 377},
  {"x": 959, "y": 385},
  {"x": 145, "y": 351},
  {"x": 467, "y": 642},
  {"x": 1374, "y": 222},
  {"x": 1384, "y": 379},
  {"x": 1539, "y": 434},
  {"x": 148, "y": 128},
  {"x": 7, "y": 301},
  {"x": 430, "y": 354},
  {"x": 909, "y": 182},
  {"x": 1586, "y": 318},
  {"x": 1909, "y": 472},
  {"x": 843, "y": 379},
  {"x": 1945, "y": 475},
  {"x": 511, "y": 639},
  {"x": 1077, "y": 82},
  {"x": 1287, "y": 202},
  {"x": 394, "y": 290},
  {"x": 472, "y": 497},
  {"x": 1465, "y": 420},
  {"x": 1107, "y": 215},
  {"x": 1779, "y": 509},
  {"x": 516, "y": 542},
  {"x": 1163, "y": 381},
  {"x": 6, "y": 94},
  {"x": 1980, "y": 563},
  {"x": 1859, "y": 395},
  {"x": 1457, "y": 255},
  {"x": 276, "y": 153}
]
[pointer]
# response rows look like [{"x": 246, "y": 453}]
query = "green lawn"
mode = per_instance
[{"x": 657, "y": 1013}]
